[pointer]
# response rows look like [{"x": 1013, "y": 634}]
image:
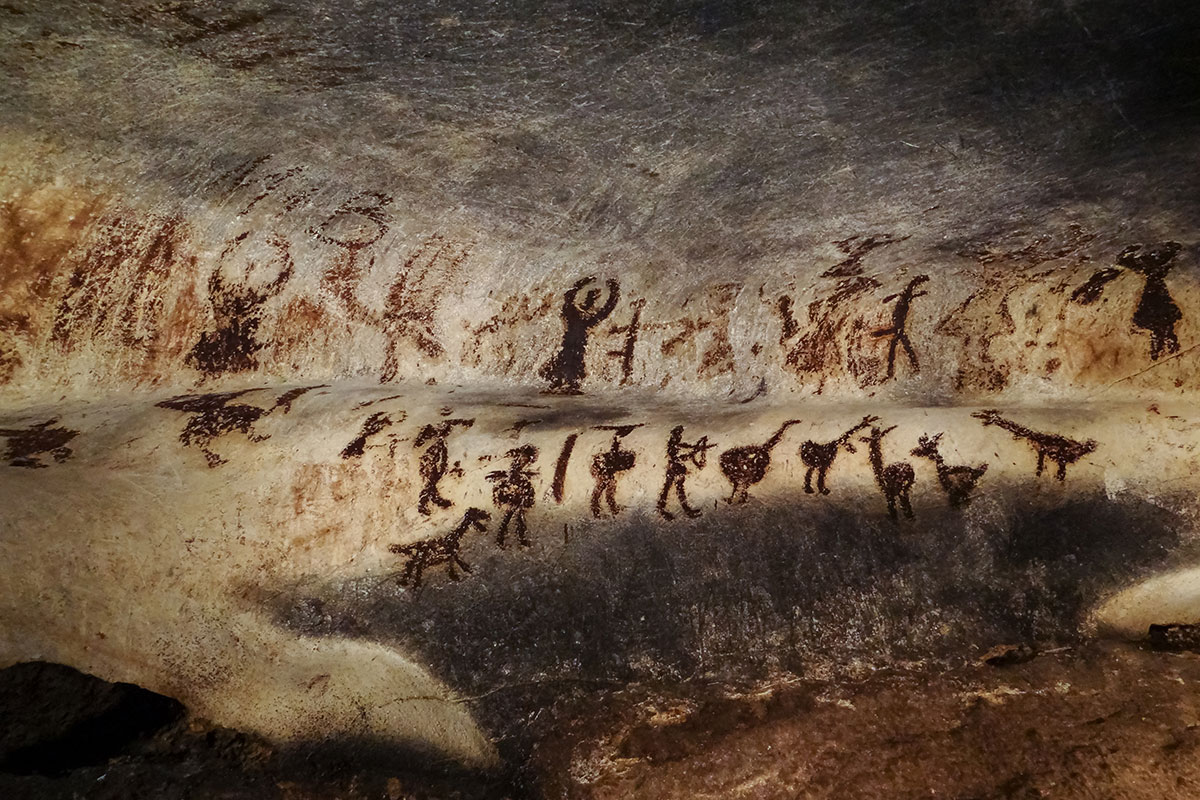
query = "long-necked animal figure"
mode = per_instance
[
  {"x": 1059, "y": 449},
  {"x": 958, "y": 481},
  {"x": 819, "y": 456},
  {"x": 895, "y": 480},
  {"x": 441, "y": 550},
  {"x": 747, "y": 465}
]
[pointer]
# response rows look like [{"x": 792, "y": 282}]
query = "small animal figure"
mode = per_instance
[
  {"x": 898, "y": 331},
  {"x": 513, "y": 492},
  {"x": 895, "y": 480},
  {"x": 819, "y": 456},
  {"x": 957, "y": 481},
  {"x": 25, "y": 444},
  {"x": 747, "y": 465},
  {"x": 608, "y": 464},
  {"x": 214, "y": 415},
  {"x": 1059, "y": 449},
  {"x": 434, "y": 461},
  {"x": 442, "y": 550},
  {"x": 679, "y": 453}
]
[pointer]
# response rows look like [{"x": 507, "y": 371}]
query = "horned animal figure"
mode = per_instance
[
  {"x": 1059, "y": 449},
  {"x": 442, "y": 550},
  {"x": 957, "y": 481},
  {"x": 819, "y": 456},
  {"x": 747, "y": 465},
  {"x": 895, "y": 480}
]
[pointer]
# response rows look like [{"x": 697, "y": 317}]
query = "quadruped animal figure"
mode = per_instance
[
  {"x": 747, "y": 465},
  {"x": 679, "y": 453},
  {"x": 957, "y": 481},
  {"x": 513, "y": 492},
  {"x": 1048, "y": 446},
  {"x": 214, "y": 415},
  {"x": 434, "y": 461},
  {"x": 441, "y": 550},
  {"x": 26, "y": 444},
  {"x": 819, "y": 456},
  {"x": 895, "y": 480},
  {"x": 608, "y": 464}
]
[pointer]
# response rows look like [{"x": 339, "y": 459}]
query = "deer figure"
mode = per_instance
[
  {"x": 819, "y": 456},
  {"x": 442, "y": 550},
  {"x": 895, "y": 480},
  {"x": 957, "y": 481},
  {"x": 747, "y": 465},
  {"x": 1059, "y": 449}
]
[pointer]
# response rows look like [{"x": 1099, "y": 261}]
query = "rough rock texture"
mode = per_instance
[{"x": 392, "y": 373}]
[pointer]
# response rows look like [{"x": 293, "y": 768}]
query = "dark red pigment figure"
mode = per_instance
[
  {"x": 434, "y": 461},
  {"x": 819, "y": 456},
  {"x": 566, "y": 370},
  {"x": 679, "y": 453},
  {"x": 442, "y": 550},
  {"x": 1059, "y": 449},
  {"x": 26, "y": 444},
  {"x": 747, "y": 465},
  {"x": 513, "y": 492},
  {"x": 607, "y": 465},
  {"x": 958, "y": 481},
  {"x": 895, "y": 480},
  {"x": 898, "y": 331}
]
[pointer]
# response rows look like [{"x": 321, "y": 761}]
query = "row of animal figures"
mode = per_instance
[{"x": 743, "y": 466}]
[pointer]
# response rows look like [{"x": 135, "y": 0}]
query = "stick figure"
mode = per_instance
[
  {"x": 679, "y": 453},
  {"x": 898, "y": 330}
]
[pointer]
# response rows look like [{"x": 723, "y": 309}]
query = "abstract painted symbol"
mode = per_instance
[
  {"x": 958, "y": 481},
  {"x": 895, "y": 480},
  {"x": 213, "y": 416},
  {"x": 898, "y": 330},
  {"x": 237, "y": 310},
  {"x": 607, "y": 465},
  {"x": 747, "y": 465},
  {"x": 1048, "y": 446},
  {"x": 559, "y": 485},
  {"x": 513, "y": 492},
  {"x": 631, "y": 331},
  {"x": 566, "y": 370},
  {"x": 435, "y": 461},
  {"x": 441, "y": 550},
  {"x": 1156, "y": 312},
  {"x": 26, "y": 444},
  {"x": 679, "y": 454},
  {"x": 818, "y": 457}
]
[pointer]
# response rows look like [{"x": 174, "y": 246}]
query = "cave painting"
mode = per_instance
[
  {"x": 214, "y": 415},
  {"x": 513, "y": 492},
  {"x": 607, "y": 466},
  {"x": 559, "y": 486},
  {"x": 679, "y": 454},
  {"x": 237, "y": 310},
  {"x": 374, "y": 424},
  {"x": 747, "y": 465},
  {"x": 818, "y": 457},
  {"x": 897, "y": 332},
  {"x": 1156, "y": 312},
  {"x": 958, "y": 481},
  {"x": 441, "y": 550},
  {"x": 1048, "y": 446},
  {"x": 25, "y": 445},
  {"x": 895, "y": 480},
  {"x": 566, "y": 370},
  {"x": 435, "y": 461}
]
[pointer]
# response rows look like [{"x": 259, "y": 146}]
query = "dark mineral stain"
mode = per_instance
[{"x": 26, "y": 444}]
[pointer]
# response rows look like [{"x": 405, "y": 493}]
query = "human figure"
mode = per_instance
[
  {"x": 434, "y": 461},
  {"x": 513, "y": 492},
  {"x": 679, "y": 453},
  {"x": 1156, "y": 310},
  {"x": 566, "y": 370},
  {"x": 898, "y": 331},
  {"x": 608, "y": 464}
]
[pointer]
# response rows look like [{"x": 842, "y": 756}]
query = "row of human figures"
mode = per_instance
[{"x": 743, "y": 466}]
